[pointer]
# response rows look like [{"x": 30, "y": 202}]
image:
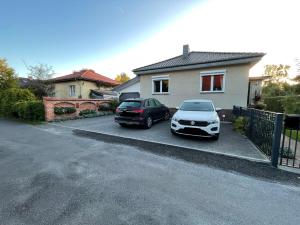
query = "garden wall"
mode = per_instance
[{"x": 78, "y": 104}]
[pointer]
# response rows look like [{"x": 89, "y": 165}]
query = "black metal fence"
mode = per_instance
[
  {"x": 264, "y": 129},
  {"x": 290, "y": 149}
]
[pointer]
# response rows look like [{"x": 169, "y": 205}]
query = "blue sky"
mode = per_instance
[
  {"x": 68, "y": 33},
  {"x": 117, "y": 36}
]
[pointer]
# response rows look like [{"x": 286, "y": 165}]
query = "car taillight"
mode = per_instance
[{"x": 138, "y": 110}]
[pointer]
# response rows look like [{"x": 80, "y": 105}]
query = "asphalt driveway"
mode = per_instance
[
  {"x": 230, "y": 142},
  {"x": 50, "y": 177}
]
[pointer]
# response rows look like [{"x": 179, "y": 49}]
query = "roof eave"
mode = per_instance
[{"x": 200, "y": 66}]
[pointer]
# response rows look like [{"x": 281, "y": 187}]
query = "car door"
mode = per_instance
[
  {"x": 154, "y": 111},
  {"x": 160, "y": 109}
]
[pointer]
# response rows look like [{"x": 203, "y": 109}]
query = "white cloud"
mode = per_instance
[{"x": 269, "y": 26}]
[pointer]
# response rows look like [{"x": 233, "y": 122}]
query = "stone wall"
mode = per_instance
[{"x": 78, "y": 104}]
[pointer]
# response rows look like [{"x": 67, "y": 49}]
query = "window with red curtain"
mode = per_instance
[
  {"x": 206, "y": 82},
  {"x": 218, "y": 83}
]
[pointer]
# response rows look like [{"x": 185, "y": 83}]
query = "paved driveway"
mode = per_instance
[
  {"x": 229, "y": 142},
  {"x": 50, "y": 177}
]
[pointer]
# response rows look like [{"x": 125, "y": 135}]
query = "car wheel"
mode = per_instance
[
  {"x": 148, "y": 122},
  {"x": 215, "y": 137},
  {"x": 167, "y": 116}
]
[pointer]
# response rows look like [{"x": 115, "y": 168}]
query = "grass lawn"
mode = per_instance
[{"x": 294, "y": 134}]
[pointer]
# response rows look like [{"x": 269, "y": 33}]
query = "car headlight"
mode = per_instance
[
  {"x": 175, "y": 119},
  {"x": 213, "y": 121}
]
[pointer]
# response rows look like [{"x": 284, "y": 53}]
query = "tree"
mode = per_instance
[
  {"x": 122, "y": 77},
  {"x": 277, "y": 73},
  {"x": 8, "y": 78},
  {"x": 41, "y": 84}
]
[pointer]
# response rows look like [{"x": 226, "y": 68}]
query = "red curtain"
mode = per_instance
[{"x": 206, "y": 81}]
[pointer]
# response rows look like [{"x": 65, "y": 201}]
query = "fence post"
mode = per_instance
[
  {"x": 251, "y": 123},
  {"x": 276, "y": 139}
]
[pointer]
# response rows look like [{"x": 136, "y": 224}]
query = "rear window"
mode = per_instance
[{"x": 133, "y": 104}]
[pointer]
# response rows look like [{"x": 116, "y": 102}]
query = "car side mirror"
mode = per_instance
[
  {"x": 218, "y": 109},
  {"x": 177, "y": 107}
]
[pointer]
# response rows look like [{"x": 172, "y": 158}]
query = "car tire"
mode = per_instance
[
  {"x": 215, "y": 137},
  {"x": 167, "y": 116},
  {"x": 148, "y": 122}
]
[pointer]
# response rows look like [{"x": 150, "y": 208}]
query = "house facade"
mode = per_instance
[
  {"x": 83, "y": 84},
  {"x": 219, "y": 76}
]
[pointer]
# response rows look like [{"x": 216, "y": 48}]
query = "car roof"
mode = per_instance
[
  {"x": 198, "y": 100},
  {"x": 134, "y": 99}
]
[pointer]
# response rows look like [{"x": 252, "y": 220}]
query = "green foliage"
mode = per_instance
[
  {"x": 29, "y": 110},
  {"x": 283, "y": 104},
  {"x": 277, "y": 73},
  {"x": 9, "y": 97},
  {"x": 287, "y": 153},
  {"x": 109, "y": 106},
  {"x": 64, "y": 110},
  {"x": 274, "y": 104},
  {"x": 87, "y": 112},
  {"x": 260, "y": 105},
  {"x": 240, "y": 124},
  {"x": 8, "y": 78},
  {"x": 114, "y": 105}
]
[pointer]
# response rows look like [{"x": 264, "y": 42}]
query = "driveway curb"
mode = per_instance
[{"x": 244, "y": 165}]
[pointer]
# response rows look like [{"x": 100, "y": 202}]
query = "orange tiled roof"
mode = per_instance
[{"x": 89, "y": 75}]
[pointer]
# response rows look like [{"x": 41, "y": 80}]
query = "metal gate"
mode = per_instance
[{"x": 290, "y": 149}]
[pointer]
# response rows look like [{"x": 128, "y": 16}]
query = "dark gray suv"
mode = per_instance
[{"x": 142, "y": 112}]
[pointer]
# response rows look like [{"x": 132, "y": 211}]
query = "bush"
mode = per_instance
[
  {"x": 29, "y": 110},
  {"x": 10, "y": 97},
  {"x": 64, "y": 110},
  {"x": 87, "y": 112},
  {"x": 283, "y": 104},
  {"x": 260, "y": 106},
  {"x": 109, "y": 106},
  {"x": 240, "y": 124}
]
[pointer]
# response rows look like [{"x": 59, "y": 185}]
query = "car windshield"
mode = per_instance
[
  {"x": 197, "y": 106},
  {"x": 133, "y": 104}
]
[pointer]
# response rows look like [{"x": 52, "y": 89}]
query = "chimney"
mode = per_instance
[{"x": 186, "y": 50}]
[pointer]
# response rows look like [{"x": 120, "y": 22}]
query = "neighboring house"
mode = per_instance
[
  {"x": 255, "y": 89},
  {"x": 222, "y": 77},
  {"x": 129, "y": 89},
  {"x": 82, "y": 84}
]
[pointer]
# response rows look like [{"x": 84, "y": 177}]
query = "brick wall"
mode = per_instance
[{"x": 79, "y": 104}]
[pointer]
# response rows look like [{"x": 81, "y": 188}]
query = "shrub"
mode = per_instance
[
  {"x": 114, "y": 104},
  {"x": 109, "y": 106},
  {"x": 105, "y": 107},
  {"x": 260, "y": 106},
  {"x": 240, "y": 124},
  {"x": 87, "y": 112},
  {"x": 10, "y": 97},
  {"x": 286, "y": 104},
  {"x": 29, "y": 110},
  {"x": 64, "y": 110}
]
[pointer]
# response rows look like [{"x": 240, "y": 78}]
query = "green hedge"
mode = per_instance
[
  {"x": 109, "y": 106},
  {"x": 29, "y": 110},
  {"x": 283, "y": 104},
  {"x": 64, "y": 110},
  {"x": 10, "y": 97},
  {"x": 87, "y": 112}
]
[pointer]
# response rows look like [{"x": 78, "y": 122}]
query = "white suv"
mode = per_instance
[{"x": 196, "y": 118}]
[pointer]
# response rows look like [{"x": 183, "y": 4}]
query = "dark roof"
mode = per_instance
[
  {"x": 127, "y": 84},
  {"x": 200, "y": 60},
  {"x": 89, "y": 75}
]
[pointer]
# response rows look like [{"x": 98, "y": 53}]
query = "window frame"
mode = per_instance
[
  {"x": 70, "y": 90},
  {"x": 213, "y": 73},
  {"x": 160, "y": 78}
]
